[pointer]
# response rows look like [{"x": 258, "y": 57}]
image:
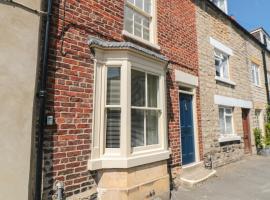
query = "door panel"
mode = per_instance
[
  {"x": 187, "y": 129},
  {"x": 246, "y": 130}
]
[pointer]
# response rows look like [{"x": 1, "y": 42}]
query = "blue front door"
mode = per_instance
[{"x": 187, "y": 129}]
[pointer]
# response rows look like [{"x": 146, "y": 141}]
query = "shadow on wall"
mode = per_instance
[{"x": 67, "y": 142}]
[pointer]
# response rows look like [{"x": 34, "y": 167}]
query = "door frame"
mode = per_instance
[{"x": 191, "y": 91}]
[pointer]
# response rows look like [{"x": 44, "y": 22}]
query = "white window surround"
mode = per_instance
[
  {"x": 153, "y": 41},
  {"x": 232, "y": 102},
  {"x": 224, "y": 80},
  {"x": 125, "y": 156},
  {"x": 222, "y": 65},
  {"x": 218, "y": 45}
]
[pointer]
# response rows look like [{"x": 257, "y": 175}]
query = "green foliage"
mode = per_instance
[
  {"x": 268, "y": 114},
  {"x": 258, "y": 138},
  {"x": 266, "y": 138}
]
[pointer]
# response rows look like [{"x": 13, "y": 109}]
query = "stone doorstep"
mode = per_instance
[{"x": 194, "y": 175}]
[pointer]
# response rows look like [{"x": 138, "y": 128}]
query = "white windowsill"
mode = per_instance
[
  {"x": 229, "y": 138},
  {"x": 150, "y": 44},
  {"x": 122, "y": 162},
  {"x": 258, "y": 86},
  {"x": 224, "y": 80}
]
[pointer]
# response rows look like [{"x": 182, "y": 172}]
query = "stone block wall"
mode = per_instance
[{"x": 212, "y": 23}]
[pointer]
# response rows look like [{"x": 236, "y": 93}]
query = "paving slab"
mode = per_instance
[{"x": 248, "y": 179}]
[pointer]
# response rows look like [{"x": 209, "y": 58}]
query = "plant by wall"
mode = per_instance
[
  {"x": 258, "y": 138},
  {"x": 266, "y": 139}
]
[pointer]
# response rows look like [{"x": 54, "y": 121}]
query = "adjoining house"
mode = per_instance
[
  {"x": 232, "y": 75},
  {"x": 19, "y": 64}
]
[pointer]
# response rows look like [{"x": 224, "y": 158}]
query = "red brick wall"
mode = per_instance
[
  {"x": 178, "y": 41},
  {"x": 70, "y": 89},
  {"x": 70, "y": 80}
]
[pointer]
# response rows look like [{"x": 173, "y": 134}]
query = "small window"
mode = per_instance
[
  {"x": 221, "y": 64},
  {"x": 144, "y": 109},
  {"x": 222, "y": 4},
  {"x": 257, "y": 120},
  {"x": 255, "y": 74},
  {"x": 138, "y": 18},
  {"x": 226, "y": 120}
]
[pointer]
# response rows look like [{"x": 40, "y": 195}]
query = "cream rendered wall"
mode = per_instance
[{"x": 19, "y": 32}]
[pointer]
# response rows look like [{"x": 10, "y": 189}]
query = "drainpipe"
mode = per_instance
[
  {"x": 42, "y": 101},
  {"x": 265, "y": 70}
]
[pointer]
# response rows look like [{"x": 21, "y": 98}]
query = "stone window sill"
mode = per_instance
[
  {"x": 229, "y": 138},
  {"x": 224, "y": 80},
  {"x": 110, "y": 162},
  {"x": 150, "y": 44}
]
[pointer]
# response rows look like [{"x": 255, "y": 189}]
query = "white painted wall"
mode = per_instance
[{"x": 19, "y": 31}]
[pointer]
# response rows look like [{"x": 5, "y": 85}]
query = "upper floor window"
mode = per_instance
[
  {"x": 221, "y": 64},
  {"x": 139, "y": 18},
  {"x": 255, "y": 74},
  {"x": 222, "y": 4}
]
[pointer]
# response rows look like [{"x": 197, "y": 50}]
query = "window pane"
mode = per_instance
[
  {"x": 229, "y": 125},
  {"x": 138, "y": 25},
  {"x": 147, "y": 6},
  {"x": 137, "y": 88},
  {"x": 129, "y": 20},
  {"x": 146, "y": 34},
  {"x": 221, "y": 120},
  {"x": 152, "y": 88},
  {"x": 225, "y": 68},
  {"x": 152, "y": 127},
  {"x": 139, "y": 3},
  {"x": 113, "y": 86},
  {"x": 217, "y": 64},
  {"x": 113, "y": 128},
  {"x": 137, "y": 128}
]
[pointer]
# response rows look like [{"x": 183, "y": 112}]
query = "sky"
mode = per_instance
[{"x": 251, "y": 13}]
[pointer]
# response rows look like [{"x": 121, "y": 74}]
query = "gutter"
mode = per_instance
[
  {"x": 42, "y": 103},
  {"x": 265, "y": 70}
]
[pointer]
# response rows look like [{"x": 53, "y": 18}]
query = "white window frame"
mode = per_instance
[
  {"x": 255, "y": 70},
  {"x": 227, "y": 68},
  {"x": 145, "y": 108},
  {"x": 125, "y": 156},
  {"x": 152, "y": 28},
  {"x": 222, "y": 135},
  {"x": 218, "y": 4}
]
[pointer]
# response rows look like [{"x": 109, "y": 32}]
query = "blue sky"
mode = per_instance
[{"x": 251, "y": 13}]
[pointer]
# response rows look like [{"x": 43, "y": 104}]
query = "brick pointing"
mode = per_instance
[{"x": 67, "y": 145}]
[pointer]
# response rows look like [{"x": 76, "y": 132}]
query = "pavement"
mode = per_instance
[{"x": 248, "y": 179}]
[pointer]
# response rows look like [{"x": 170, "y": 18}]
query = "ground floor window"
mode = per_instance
[{"x": 226, "y": 120}]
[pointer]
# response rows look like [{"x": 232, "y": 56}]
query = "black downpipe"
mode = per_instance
[
  {"x": 265, "y": 71},
  {"x": 42, "y": 101}
]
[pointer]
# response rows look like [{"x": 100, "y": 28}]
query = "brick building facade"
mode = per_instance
[
  {"x": 70, "y": 154},
  {"x": 102, "y": 55}
]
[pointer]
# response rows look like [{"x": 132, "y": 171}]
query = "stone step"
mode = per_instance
[{"x": 195, "y": 174}]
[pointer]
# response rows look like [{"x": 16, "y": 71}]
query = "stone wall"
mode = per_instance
[{"x": 212, "y": 23}]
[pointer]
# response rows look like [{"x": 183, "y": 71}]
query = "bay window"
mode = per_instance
[{"x": 129, "y": 122}]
